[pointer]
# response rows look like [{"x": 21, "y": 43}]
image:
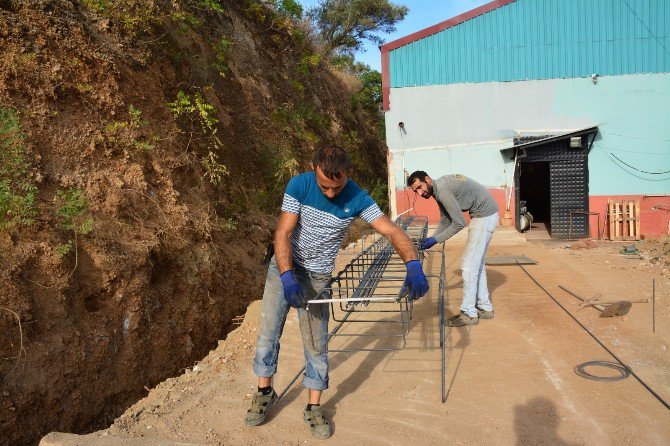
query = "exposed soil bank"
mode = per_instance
[{"x": 182, "y": 197}]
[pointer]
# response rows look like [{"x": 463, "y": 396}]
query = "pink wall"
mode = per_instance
[
  {"x": 406, "y": 199},
  {"x": 653, "y": 222}
]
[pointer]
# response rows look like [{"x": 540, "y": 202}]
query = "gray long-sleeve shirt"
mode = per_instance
[{"x": 455, "y": 194}]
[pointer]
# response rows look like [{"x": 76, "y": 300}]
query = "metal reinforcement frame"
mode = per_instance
[{"x": 370, "y": 290}]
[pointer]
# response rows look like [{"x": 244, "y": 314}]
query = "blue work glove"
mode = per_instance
[
  {"x": 292, "y": 291},
  {"x": 415, "y": 280},
  {"x": 428, "y": 243}
]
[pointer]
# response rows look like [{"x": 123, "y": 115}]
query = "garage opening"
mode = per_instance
[{"x": 534, "y": 193}]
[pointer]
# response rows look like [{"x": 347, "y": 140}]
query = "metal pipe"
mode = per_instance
[
  {"x": 583, "y": 299},
  {"x": 653, "y": 305}
]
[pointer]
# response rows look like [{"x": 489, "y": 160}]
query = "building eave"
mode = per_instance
[{"x": 426, "y": 32}]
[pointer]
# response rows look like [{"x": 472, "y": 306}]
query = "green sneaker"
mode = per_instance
[
  {"x": 461, "y": 320},
  {"x": 318, "y": 424},
  {"x": 483, "y": 314},
  {"x": 259, "y": 405}
]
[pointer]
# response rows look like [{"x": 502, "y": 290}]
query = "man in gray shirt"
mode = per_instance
[{"x": 455, "y": 194}]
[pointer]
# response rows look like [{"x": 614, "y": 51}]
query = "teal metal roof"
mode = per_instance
[{"x": 541, "y": 39}]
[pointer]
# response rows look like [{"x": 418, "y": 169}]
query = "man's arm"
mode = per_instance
[
  {"x": 454, "y": 212},
  {"x": 400, "y": 241},
  {"x": 287, "y": 223}
]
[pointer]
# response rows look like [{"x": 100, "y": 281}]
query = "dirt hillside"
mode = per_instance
[{"x": 145, "y": 145}]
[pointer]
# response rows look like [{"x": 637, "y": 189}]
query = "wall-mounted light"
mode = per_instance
[
  {"x": 401, "y": 125},
  {"x": 594, "y": 77}
]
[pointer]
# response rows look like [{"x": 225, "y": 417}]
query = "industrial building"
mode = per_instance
[{"x": 561, "y": 108}]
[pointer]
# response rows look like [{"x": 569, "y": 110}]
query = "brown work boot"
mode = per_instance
[{"x": 461, "y": 320}]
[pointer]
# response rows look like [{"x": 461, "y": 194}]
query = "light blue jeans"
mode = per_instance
[
  {"x": 475, "y": 288},
  {"x": 313, "y": 326}
]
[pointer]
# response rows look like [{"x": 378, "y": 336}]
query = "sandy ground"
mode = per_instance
[{"x": 509, "y": 380}]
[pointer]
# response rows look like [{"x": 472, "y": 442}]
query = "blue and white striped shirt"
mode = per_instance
[{"x": 323, "y": 223}]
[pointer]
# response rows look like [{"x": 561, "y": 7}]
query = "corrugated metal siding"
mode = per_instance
[{"x": 541, "y": 39}]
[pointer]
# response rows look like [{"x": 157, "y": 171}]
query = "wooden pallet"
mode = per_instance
[{"x": 624, "y": 219}]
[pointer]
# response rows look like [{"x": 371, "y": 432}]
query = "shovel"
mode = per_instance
[{"x": 607, "y": 308}]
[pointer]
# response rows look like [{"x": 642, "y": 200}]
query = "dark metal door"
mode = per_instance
[{"x": 569, "y": 192}]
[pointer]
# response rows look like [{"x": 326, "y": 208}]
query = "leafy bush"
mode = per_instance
[
  {"x": 17, "y": 193},
  {"x": 185, "y": 20},
  {"x": 133, "y": 17},
  {"x": 288, "y": 8},
  {"x": 214, "y": 171},
  {"x": 307, "y": 62},
  {"x": 221, "y": 49},
  {"x": 212, "y": 5},
  {"x": 72, "y": 210},
  {"x": 129, "y": 132},
  {"x": 196, "y": 109}
]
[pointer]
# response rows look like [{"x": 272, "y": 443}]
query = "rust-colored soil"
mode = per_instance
[{"x": 509, "y": 380}]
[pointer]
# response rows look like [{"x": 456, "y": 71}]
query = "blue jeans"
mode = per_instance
[
  {"x": 313, "y": 326},
  {"x": 475, "y": 288}
]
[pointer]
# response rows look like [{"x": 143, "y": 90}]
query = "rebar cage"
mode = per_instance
[
  {"x": 370, "y": 303},
  {"x": 369, "y": 290}
]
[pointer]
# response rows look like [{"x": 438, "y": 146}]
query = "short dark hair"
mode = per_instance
[
  {"x": 333, "y": 161},
  {"x": 417, "y": 175}
]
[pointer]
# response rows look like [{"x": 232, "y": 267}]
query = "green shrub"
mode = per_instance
[
  {"x": 72, "y": 211},
  {"x": 129, "y": 132},
  {"x": 307, "y": 62},
  {"x": 212, "y": 5},
  {"x": 297, "y": 121},
  {"x": 133, "y": 17},
  {"x": 288, "y": 8},
  {"x": 214, "y": 171},
  {"x": 17, "y": 192},
  {"x": 196, "y": 109},
  {"x": 185, "y": 22},
  {"x": 221, "y": 49}
]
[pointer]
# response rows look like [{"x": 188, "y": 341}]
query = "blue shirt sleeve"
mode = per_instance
[
  {"x": 294, "y": 195},
  {"x": 297, "y": 188},
  {"x": 368, "y": 209}
]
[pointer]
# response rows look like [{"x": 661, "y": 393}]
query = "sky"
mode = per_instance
[{"x": 422, "y": 14}]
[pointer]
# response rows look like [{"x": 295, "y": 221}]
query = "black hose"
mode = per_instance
[{"x": 580, "y": 370}]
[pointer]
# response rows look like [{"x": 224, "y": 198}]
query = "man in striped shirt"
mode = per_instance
[{"x": 316, "y": 212}]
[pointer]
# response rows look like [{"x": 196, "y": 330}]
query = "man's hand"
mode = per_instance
[
  {"x": 428, "y": 243},
  {"x": 292, "y": 291},
  {"x": 415, "y": 280}
]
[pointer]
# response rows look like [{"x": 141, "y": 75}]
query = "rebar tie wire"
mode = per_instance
[
  {"x": 624, "y": 365},
  {"x": 368, "y": 269}
]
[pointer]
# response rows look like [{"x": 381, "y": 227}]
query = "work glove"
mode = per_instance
[
  {"x": 428, "y": 243},
  {"x": 292, "y": 292},
  {"x": 416, "y": 284}
]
